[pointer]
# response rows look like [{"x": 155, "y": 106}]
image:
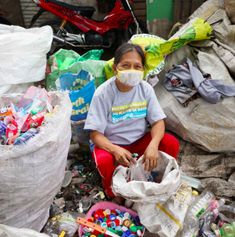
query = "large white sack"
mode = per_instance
[
  {"x": 31, "y": 174},
  {"x": 8, "y": 231},
  {"x": 23, "y": 54},
  {"x": 11, "y": 89},
  {"x": 161, "y": 206},
  {"x": 144, "y": 191},
  {"x": 210, "y": 126}
]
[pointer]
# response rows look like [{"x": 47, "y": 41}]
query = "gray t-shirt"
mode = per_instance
[{"x": 123, "y": 117}]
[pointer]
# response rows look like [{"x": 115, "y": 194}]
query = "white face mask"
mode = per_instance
[{"x": 130, "y": 77}]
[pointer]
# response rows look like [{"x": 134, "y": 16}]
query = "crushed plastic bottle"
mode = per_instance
[
  {"x": 200, "y": 205},
  {"x": 63, "y": 223},
  {"x": 195, "y": 211}
]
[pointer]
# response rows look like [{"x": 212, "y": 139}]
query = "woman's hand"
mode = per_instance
[
  {"x": 122, "y": 156},
  {"x": 151, "y": 155}
]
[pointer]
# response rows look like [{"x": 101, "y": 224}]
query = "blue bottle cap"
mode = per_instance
[{"x": 112, "y": 217}]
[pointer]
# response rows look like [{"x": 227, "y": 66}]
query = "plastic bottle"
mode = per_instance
[
  {"x": 26, "y": 136},
  {"x": 195, "y": 211},
  {"x": 200, "y": 205},
  {"x": 11, "y": 132}
]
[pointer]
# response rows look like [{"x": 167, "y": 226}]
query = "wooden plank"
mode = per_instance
[
  {"x": 140, "y": 13},
  {"x": 184, "y": 8},
  {"x": 140, "y": 5}
]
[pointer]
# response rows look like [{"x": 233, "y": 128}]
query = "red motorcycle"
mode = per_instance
[{"x": 77, "y": 28}]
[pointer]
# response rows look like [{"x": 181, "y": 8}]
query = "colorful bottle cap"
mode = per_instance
[
  {"x": 107, "y": 211},
  {"x": 124, "y": 228},
  {"x": 133, "y": 228},
  {"x": 104, "y": 224},
  {"x": 112, "y": 217},
  {"x": 127, "y": 222},
  {"x": 119, "y": 219},
  {"x": 139, "y": 232},
  {"x": 128, "y": 233}
]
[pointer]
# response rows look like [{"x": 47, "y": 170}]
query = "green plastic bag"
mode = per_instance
[{"x": 69, "y": 61}]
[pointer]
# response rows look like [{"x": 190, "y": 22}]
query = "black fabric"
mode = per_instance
[{"x": 83, "y": 9}]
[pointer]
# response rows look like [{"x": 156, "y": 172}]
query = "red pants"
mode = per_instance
[{"x": 105, "y": 161}]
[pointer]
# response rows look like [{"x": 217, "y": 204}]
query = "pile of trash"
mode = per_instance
[
  {"x": 188, "y": 207},
  {"x": 54, "y": 190},
  {"x": 81, "y": 189}
]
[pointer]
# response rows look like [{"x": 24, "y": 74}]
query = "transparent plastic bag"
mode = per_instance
[{"x": 137, "y": 172}]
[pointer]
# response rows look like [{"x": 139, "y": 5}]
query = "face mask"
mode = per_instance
[{"x": 130, "y": 77}]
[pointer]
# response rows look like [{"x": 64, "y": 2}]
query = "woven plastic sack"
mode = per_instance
[
  {"x": 157, "y": 48},
  {"x": 23, "y": 56},
  {"x": 31, "y": 174},
  {"x": 8, "y": 231},
  {"x": 144, "y": 191},
  {"x": 161, "y": 203},
  {"x": 210, "y": 126},
  {"x": 230, "y": 9}
]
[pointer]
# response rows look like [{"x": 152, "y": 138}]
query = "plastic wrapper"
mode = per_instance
[{"x": 64, "y": 222}]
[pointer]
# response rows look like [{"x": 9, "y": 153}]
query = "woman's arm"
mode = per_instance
[
  {"x": 151, "y": 153},
  {"x": 121, "y": 155}
]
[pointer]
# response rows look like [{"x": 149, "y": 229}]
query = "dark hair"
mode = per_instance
[{"x": 125, "y": 48}]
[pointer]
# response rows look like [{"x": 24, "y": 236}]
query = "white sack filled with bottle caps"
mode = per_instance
[{"x": 31, "y": 172}]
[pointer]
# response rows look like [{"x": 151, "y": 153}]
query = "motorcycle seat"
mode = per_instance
[{"x": 84, "y": 10}]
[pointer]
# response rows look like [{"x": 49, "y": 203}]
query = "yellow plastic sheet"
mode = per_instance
[{"x": 157, "y": 48}]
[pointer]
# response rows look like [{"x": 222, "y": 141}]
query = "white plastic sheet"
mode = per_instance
[{"x": 31, "y": 174}]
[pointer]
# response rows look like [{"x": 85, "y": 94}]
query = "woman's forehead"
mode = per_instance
[{"x": 131, "y": 56}]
